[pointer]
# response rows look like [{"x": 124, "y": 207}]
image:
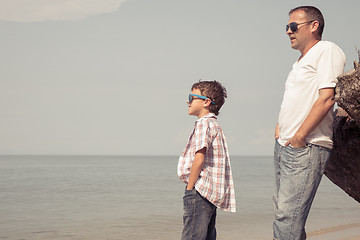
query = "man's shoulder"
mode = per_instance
[
  {"x": 327, "y": 50},
  {"x": 327, "y": 45}
]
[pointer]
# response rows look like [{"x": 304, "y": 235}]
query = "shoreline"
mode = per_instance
[{"x": 341, "y": 232}]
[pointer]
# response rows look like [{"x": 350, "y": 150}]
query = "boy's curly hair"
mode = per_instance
[{"x": 213, "y": 90}]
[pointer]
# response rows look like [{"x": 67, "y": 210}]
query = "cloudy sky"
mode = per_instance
[{"x": 112, "y": 77}]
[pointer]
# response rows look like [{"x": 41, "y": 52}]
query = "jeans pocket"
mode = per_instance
[
  {"x": 189, "y": 201},
  {"x": 298, "y": 159},
  {"x": 300, "y": 148},
  {"x": 190, "y": 192}
]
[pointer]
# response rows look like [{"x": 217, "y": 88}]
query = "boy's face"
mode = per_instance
[{"x": 198, "y": 107}]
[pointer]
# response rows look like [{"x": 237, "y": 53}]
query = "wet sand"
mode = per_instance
[{"x": 343, "y": 232}]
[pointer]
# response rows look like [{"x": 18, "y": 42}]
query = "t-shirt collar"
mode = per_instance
[{"x": 308, "y": 52}]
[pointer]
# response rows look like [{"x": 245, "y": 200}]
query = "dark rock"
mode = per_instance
[
  {"x": 343, "y": 167},
  {"x": 347, "y": 92}
]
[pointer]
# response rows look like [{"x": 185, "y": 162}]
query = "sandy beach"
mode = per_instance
[
  {"x": 343, "y": 232},
  {"x": 260, "y": 228}
]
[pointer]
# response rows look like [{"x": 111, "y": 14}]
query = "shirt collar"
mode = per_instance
[{"x": 209, "y": 115}]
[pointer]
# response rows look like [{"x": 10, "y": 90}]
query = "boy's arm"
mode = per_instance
[{"x": 196, "y": 168}]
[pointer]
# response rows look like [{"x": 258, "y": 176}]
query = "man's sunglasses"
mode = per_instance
[
  {"x": 294, "y": 26},
  {"x": 191, "y": 97}
]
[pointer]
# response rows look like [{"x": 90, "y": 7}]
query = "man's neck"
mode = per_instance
[{"x": 308, "y": 47}]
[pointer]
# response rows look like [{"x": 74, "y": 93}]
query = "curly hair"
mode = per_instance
[{"x": 213, "y": 90}]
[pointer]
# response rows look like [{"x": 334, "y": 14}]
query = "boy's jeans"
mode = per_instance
[
  {"x": 199, "y": 217},
  {"x": 298, "y": 173}
]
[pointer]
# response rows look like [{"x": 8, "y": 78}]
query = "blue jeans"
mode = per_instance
[
  {"x": 199, "y": 217},
  {"x": 298, "y": 172}
]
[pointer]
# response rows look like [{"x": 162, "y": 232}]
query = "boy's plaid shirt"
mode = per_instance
[{"x": 215, "y": 182}]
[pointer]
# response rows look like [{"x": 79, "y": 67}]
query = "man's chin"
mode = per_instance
[{"x": 294, "y": 46}]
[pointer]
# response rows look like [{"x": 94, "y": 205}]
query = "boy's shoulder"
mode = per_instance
[{"x": 209, "y": 122}]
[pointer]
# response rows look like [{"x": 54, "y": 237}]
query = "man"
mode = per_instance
[{"x": 304, "y": 130}]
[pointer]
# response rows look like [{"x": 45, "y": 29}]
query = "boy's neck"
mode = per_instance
[{"x": 203, "y": 113}]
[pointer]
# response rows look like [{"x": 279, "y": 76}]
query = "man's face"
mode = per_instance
[{"x": 301, "y": 37}]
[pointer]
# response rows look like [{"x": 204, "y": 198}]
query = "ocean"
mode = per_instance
[{"x": 140, "y": 197}]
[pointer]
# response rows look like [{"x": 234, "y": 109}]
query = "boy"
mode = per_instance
[{"x": 204, "y": 165}]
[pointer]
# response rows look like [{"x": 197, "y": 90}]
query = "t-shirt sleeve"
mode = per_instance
[
  {"x": 331, "y": 64},
  {"x": 202, "y": 135}
]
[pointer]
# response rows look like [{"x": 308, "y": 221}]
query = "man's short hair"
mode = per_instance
[
  {"x": 312, "y": 13},
  {"x": 213, "y": 90}
]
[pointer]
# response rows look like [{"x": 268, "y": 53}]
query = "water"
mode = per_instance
[{"x": 97, "y": 197}]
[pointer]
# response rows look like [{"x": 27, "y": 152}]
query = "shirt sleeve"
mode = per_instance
[
  {"x": 202, "y": 135},
  {"x": 331, "y": 64}
]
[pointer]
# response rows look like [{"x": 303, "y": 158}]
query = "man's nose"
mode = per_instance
[{"x": 288, "y": 32}]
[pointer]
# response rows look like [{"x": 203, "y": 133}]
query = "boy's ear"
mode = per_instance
[{"x": 207, "y": 102}]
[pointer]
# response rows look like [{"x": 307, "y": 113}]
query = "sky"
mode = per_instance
[{"x": 89, "y": 77}]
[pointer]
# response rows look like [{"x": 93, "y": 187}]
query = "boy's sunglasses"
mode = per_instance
[
  {"x": 191, "y": 97},
  {"x": 294, "y": 26}
]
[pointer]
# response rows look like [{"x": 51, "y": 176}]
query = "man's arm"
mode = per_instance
[
  {"x": 317, "y": 113},
  {"x": 196, "y": 168},
  {"x": 277, "y": 131}
]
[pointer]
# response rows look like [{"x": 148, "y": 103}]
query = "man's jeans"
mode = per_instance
[
  {"x": 298, "y": 173},
  {"x": 199, "y": 217}
]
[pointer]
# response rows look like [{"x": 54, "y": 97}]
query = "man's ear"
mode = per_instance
[{"x": 315, "y": 26}]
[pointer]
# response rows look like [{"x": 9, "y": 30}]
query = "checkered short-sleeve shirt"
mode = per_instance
[{"x": 215, "y": 182}]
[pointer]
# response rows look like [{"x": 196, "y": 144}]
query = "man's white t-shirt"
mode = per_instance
[{"x": 316, "y": 70}]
